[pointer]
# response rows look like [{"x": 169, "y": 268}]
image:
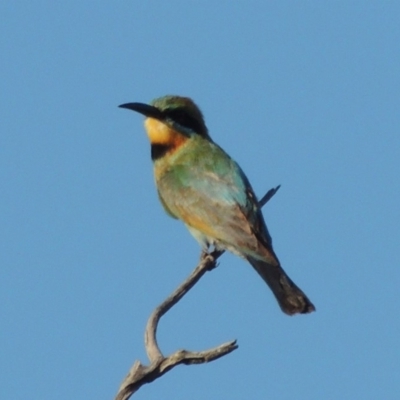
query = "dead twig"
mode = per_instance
[{"x": 159, "y": 364}]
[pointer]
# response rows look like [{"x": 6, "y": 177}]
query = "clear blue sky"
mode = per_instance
[{"x": 303, "y": 94}]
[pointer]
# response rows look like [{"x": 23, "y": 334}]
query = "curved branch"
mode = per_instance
[
  {"x": 139, "y": 375},
  {"x": 159, "y": 364},
  {"x": 207, "y": 262}
]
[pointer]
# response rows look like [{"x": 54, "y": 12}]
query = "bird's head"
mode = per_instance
[{"x": 170, "y": 122}]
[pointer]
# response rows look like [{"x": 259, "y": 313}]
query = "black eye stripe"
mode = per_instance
[{"x": 184, "y": 119}]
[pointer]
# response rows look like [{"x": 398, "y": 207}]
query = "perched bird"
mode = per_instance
[{"x": 203, "y": 186}]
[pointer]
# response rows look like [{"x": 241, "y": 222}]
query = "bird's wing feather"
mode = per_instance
[{"x": 217, "y": 200}]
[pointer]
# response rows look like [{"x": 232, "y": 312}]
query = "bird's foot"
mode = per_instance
[
  {"x": 213, "y": 255},
  {"x": 204, "y": 254}
]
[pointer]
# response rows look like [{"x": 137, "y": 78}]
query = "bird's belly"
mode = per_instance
[{"x": 206, "y": 241}]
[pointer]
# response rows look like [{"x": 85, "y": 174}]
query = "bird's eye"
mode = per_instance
[
  {"x": 179, "y": 116},
  {"x": 182, "y": 118}
]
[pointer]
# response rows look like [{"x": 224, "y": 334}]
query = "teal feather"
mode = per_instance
[{"x": 200, "y": 184}]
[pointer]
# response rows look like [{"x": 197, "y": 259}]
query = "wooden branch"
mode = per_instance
[
  {"x": 140, "y": 375},
  {"x": 159, "y": 364},
  {"x": 207, "y": 262},
  {"x": 268, "y": 196}
]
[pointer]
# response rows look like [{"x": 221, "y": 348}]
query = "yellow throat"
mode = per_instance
[{"x": 161, "y": 134}]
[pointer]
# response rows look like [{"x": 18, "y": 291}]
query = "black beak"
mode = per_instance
[{"x": 145, "y": 109}]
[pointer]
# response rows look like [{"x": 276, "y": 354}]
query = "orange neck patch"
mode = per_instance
[{"x": 161, "y": 134}]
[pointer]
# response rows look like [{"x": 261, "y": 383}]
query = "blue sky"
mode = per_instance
[{"x": 302, "y": 94}]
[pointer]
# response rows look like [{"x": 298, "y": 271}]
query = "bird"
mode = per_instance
[{"x": 201, "y": 185}]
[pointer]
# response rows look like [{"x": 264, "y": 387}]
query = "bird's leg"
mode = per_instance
[
  {"x": 215, "y": 253},
  {"x": 204, "y": 253},
  {"x": 205, "y": 250}
]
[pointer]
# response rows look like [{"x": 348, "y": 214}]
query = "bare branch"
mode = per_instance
[
  {"x": 139, "y": 374},
  {"x": 268, "y": 196},
  {"x": 153, "y": 351}
]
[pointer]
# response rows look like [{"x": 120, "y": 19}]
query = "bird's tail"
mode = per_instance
[{"x": 291, "y": 299}]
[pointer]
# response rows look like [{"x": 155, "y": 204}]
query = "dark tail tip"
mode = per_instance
[
  {"x": 291, "y": 298},
  {"x": 296, "y": 304}
]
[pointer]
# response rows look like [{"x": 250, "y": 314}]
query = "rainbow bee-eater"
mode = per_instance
[{"x": 200, "y": 184}]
